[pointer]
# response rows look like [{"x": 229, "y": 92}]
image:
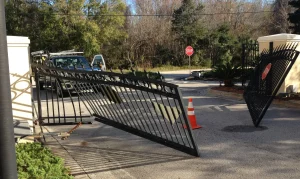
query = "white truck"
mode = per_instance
[{"x": 99, "y": 62}]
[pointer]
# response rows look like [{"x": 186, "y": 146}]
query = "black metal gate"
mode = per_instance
[
  {"x": 145, "y": 107},
  {"x": 250, "y": 57},
  {"x": 269, "y": 74}
]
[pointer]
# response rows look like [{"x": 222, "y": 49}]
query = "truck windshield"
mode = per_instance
[
  {"x": 98, "y": 60},
  {"x": 71, "y": 62}
]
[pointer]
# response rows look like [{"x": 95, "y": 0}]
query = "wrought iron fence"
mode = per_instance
[
  {"x": 269, "y": 74},
  {"x": 146, "y": 107},
  {"x": 250, "y": 58}
]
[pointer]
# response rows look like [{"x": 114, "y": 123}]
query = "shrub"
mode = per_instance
[
  {"x": 227, "y": 72},
  {"x": 36, "y": 161}
]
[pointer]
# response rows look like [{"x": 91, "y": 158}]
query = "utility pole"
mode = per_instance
[{"x": 8, "y": 163}]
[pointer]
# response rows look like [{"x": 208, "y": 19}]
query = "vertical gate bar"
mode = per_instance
[
  {"x": 153, "y": 119},
  {"x": 64, "y": 109},
  {"x": 57, "y": 103},
  {"x": 162, "y": 100},
  {"x": 125, "y": 116},
  {"x": 141, "y": 120},
  {"x": 85, "y": 97},
  {"x": 47, "y": 99},
  {"x": 114, "y": 104},
  {"x": 162, "y": 119},
  {"x": 117, "y": 117},
  {"x": 176, "y": 119},
  {"x": 247, "y": 55},
  {"x": 143, "y": 114},
  {"x": 53, "y": 113},
  {"x": 82, "y": 98},
  {"x": 191, "y": 136},
  {"x": 102, "y": 103},
  {"x": 251, "y": 52},
  {"x": 126, "y": 113},
  {"x": 71, "y": 98},
  {"x": 112, "y": 109},
  {"x": 135, "y": 120},
  {"x": 182, "y": 120},
  {"x": 79, "y": 106},
  {"x": 107, "y": 102},
  {"x": 145, "y": 106},
  {"x": 38, "y": 96},
  {"x": 243, "y": 64},
  {"x": 136, "y": 116},
  {"x": 159, "y": 120},
  {"x": 96, "y": 101}
]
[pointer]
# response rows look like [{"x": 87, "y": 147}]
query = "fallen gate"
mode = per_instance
[
  {"x": 145, "y": 107},
  {"x": 269, "y": 74}
]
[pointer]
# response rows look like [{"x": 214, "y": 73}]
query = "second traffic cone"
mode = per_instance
[{"x": 191, "y": 115}]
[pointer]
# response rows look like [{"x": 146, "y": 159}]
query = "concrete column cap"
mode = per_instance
[
  {"x": 17, "y": 41},
  {"x": 280, "y": 37}
]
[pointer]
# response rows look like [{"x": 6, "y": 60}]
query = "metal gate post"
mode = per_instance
[
  {"x": 243, "y": 63},
  {"x": 8, "y": 164},
  {"x": 38, "y": 95}
]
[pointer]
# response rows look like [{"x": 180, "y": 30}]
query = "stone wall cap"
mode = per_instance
[
  {"x": 17, "y": 40},
  {"x": 280, "y": 37}
]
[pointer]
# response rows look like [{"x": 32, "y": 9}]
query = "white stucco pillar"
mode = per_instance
[
  {"x": 19, "y": 69},
  {"x": 292, "y": 81}
]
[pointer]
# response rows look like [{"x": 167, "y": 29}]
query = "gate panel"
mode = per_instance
[
  {"x": 268, "y": 76},
  {"x": 58, "y": 106},
  {"x": 148, "y": 108}
]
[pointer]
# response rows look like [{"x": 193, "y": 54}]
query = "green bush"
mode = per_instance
[
  {"x": 227, "y": 72},
  {"x": 36, "y": 161}
]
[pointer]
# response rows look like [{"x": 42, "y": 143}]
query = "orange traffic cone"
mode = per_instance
[{"x": 191, "y": 115}]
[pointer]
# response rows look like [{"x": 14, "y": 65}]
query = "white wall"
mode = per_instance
[{"x": 18, "y": 56}]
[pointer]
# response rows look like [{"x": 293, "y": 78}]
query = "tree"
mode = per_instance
[
  {"x": 186, "y": 22},
  {"x": 279, "y": 20},
  {"x": 188, "y": 28},
  {"x": 294, "y": 17}
]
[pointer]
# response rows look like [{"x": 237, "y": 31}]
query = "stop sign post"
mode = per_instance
[{"x": 189, "y": 52}]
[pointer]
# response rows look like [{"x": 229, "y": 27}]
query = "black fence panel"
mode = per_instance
[
  {"x": 250, "y": 58},
  {"x": 145, "y": 107},
  {"x": 269, "y": 74},
  {"x": 57, "y": 106}
]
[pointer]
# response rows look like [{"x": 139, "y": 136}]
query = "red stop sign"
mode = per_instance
[
  {"x": 266, "y": 71},
  {"x": 189, "y": 50}
]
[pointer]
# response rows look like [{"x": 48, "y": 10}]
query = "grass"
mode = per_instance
[{"x": 162, "y": 68}]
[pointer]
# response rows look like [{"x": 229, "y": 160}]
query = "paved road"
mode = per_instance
[{"x": 230, "y": 146}]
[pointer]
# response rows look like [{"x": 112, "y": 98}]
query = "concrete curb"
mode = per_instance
[{"x": 229, "y": 95}]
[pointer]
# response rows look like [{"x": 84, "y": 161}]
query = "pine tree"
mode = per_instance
[
  {"x": 294, "y": 18},
  {"x": 186, "y": 22}
]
